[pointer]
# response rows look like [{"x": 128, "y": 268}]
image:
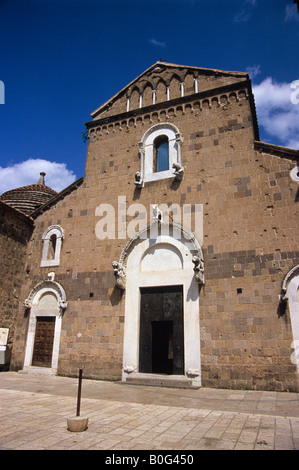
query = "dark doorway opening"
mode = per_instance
[
  {"x": 161, "y": 340},
  {"x": 162, "y": 347}
]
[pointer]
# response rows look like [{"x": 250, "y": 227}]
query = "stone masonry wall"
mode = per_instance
[
  {"x": 15, "y": 231},
  {"x": 249, "y": 243}
]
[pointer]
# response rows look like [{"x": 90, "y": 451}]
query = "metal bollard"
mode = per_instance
[
  {"x": 78, "y": 424},
  {"x": 79, "y": 392}
]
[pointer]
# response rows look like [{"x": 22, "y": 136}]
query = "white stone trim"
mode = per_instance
[
  {"x": 294, "y": 174},
  {"x": 182, "y": 89},
  {"x": 154, "y": 96},
  {"x": 146, "y": 149},
  {"x": 151, "y": 231},
  {"x": 32, "y": 302},
  {"x": 59, "y": 232},
  {"x": 161, "y": 277},
  {"x": 292, "y": 295}
]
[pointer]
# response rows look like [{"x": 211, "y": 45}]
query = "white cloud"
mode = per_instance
[
  {"x": 57, "y": 176},
  {"x": 291, "y": 13},
  {"x": 157, "y": 43},
  {"x": 244, "y": 14},
  {"x": 253, "y": 71},
  {"x": 278, "y": 112}
]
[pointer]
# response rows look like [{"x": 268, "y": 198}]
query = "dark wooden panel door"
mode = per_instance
[
  {"x": 161, "y": 344},
  {"x": 43, "y": 342}
]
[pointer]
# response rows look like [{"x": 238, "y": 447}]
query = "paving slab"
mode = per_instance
[{"x": 34, "y": 411}]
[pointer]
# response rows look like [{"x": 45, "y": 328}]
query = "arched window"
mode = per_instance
[
  {"x": 52, "y": 239},
  {"x": 161, "y": 154},
  {"x": 160, "y": 149}
]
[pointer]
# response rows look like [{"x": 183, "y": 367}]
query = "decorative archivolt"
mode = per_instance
[
  {"x": 47, "y": 286},
  {"x": 119, "y": 267},
  {"x": 291, "y": 274},
  {"x": 159, "y": 126},
  {"x": 53, "y": 229}
]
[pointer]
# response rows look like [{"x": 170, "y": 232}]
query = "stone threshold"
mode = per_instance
[
  {"x": 161, "y": 380},
  {"x": 38, "y": 370}
]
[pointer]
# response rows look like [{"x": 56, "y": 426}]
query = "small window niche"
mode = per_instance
[
  {"x": 52, "y": 241},
  {"x": 160, "y": 153}
]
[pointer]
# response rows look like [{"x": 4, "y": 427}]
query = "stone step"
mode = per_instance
[
  {"x": 157, "y": 380},
  {"x": 38, "y": 371}
]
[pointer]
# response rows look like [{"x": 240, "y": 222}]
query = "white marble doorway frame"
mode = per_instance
[
  {"x": 162, "y": 260},
  {"x": 42, "y": 289}
]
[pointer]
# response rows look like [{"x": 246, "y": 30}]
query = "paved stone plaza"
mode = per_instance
[{"x": 35, "y": 408}]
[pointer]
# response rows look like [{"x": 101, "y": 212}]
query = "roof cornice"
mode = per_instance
[
  {"x": 277, "y": 150},
  {"x": 72, "y": 187}
]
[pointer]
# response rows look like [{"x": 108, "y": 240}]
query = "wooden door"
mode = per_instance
[
  {"x": 161, "y": 341},
  {"x": 43, "y": 342}
]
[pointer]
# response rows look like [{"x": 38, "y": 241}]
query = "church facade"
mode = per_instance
[{"x": 175, "y": 259}]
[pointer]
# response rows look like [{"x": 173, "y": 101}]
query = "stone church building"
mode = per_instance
[{"x": 175, "y": 259}]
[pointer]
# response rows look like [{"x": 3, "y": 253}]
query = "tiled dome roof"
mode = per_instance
[{"x": 28, "y": 198}]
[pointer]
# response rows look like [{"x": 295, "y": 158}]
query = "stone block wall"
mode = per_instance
[
  {"x": 249, "y": 243},
  {"x": 15, "y": 232}
]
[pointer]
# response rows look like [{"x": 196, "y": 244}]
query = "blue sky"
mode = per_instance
[{"x": 61, "y": 59}]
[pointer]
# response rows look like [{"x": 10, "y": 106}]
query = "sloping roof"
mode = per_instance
[
  {"x": 16, "y": 212},
  {"x": 278, "y": 150},
  {"x": 57, "y": 197},
  {"x": 28, "y": 198},
  {"x": 32, "y": 187}
]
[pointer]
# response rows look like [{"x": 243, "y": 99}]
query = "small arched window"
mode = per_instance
[
  {"x": 52, "y": 239},
  {"x": 160, "y": 149},
  {"x": 161, "y": 154}
]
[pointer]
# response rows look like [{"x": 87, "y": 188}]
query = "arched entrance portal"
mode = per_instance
[
  {"x": 46, "y": 302},
  {"x": 290, "y": 293},
  {"x": 162, "y": 335}
]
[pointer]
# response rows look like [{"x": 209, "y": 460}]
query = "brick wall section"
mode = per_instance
[
  {"x": 250, "y": 226},
  {"x": 15, "y": 231}
]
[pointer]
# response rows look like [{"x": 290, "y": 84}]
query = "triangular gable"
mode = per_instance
[{"x": 164, "y": 81}]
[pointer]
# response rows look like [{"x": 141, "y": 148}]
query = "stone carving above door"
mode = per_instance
[{"x": 152, "y": 232}]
